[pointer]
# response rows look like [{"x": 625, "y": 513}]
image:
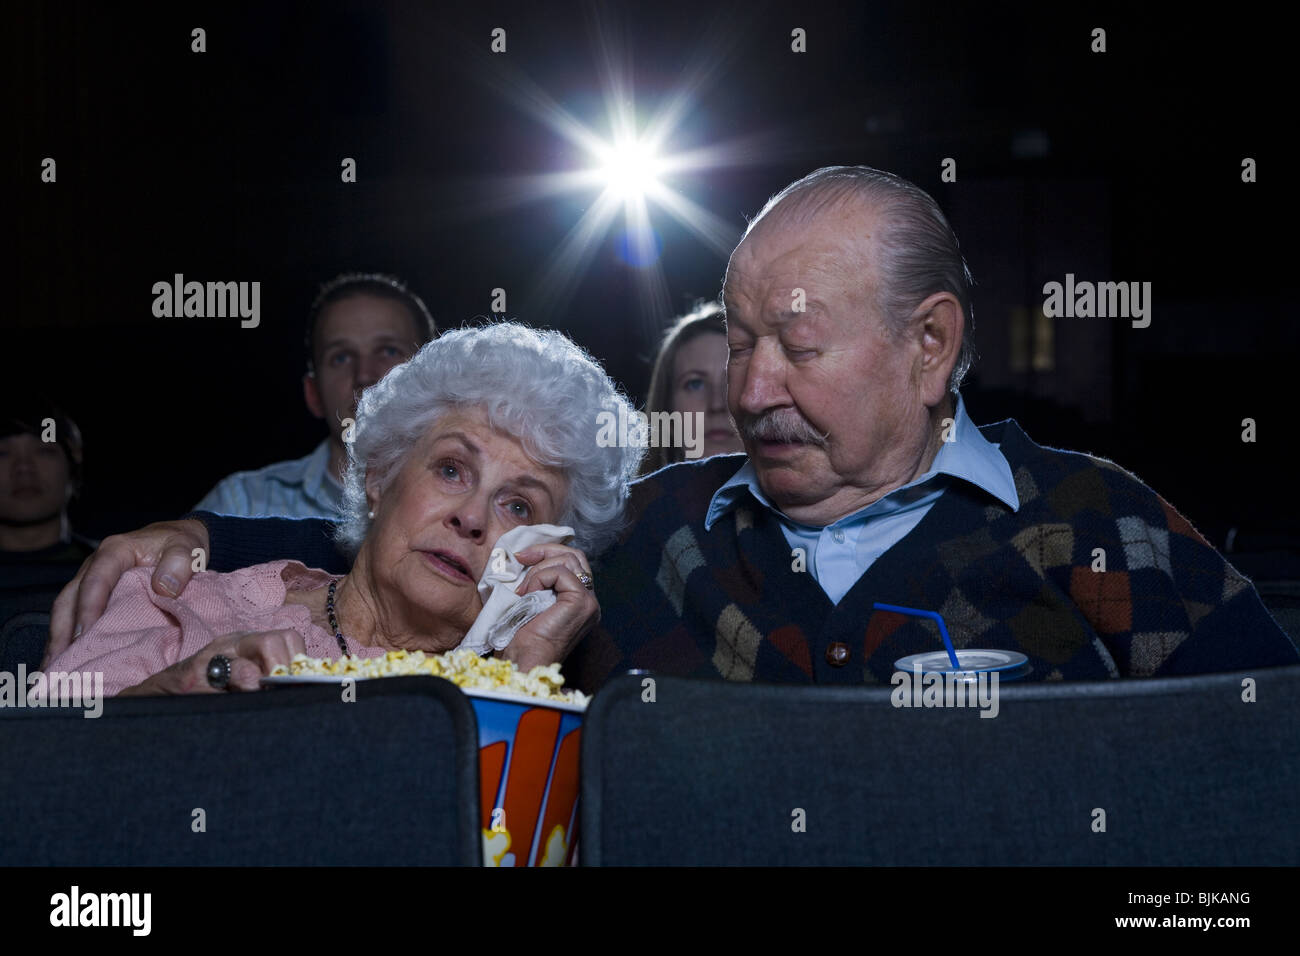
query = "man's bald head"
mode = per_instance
[
  {"x": 846, "y": 307},
  {"x": 909, "y": 250}
]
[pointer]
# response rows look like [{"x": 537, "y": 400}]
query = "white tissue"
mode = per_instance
[{"x": 505, "y": 612}]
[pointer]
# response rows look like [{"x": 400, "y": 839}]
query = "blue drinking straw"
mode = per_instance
[{"x": 932, "y": 615}]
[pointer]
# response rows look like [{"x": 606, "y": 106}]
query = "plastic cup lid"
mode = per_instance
[{"x": 972, "y": 661}]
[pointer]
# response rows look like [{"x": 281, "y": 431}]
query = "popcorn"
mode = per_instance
[{"x": 462, "y": 667}]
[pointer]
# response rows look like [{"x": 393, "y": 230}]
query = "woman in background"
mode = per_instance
[{"x": 690, "y": 375}]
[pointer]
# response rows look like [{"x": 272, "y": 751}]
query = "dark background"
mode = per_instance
[{"x": 224, "y": 165}]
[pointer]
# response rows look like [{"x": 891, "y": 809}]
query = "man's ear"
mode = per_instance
[
  {"x": 311, "y": 395},
  {"x": 939, "y": 323}
]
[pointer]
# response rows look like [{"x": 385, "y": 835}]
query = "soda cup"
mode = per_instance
[{"x": 971, "y": 663}]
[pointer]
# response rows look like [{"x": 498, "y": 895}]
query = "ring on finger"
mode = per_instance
[{"x": 218, "y": 672}]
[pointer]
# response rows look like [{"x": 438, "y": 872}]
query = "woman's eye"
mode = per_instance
[
  {"x": 519, "y": 509},
  {"x": 337, "y": 359},
  {"x": 448, "y": 471},
  {"x": 693, "y": 384}
]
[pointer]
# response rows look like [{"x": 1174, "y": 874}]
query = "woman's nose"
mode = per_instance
[{"x": 469, "y": 519}]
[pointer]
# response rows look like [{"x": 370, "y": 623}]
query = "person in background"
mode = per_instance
[
  {"x": 40, "y": 473},
  {"x": 689, "y": 376},
  {"x": 359, "y": 327}
]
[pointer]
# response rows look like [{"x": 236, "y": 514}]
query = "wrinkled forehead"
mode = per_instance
[{"x": 828, "y": 257}]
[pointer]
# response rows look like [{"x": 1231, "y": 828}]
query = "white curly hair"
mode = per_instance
[{"x": 537, "y": 386}]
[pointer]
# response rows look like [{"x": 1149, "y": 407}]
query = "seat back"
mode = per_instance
[
  {"x": 295, "y": 776},
  {"x": 1198, "y": 770}
]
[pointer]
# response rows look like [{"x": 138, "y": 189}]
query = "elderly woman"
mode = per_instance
[{"x": 483, "y": 431}]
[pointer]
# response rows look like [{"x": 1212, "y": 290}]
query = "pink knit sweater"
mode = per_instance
[{"x": 142, "y": 632}]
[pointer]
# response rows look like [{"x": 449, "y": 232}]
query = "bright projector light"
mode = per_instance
[{"x": 629, "y": 168}]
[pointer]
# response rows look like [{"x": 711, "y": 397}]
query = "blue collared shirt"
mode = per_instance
[
  {"x": 288, "y": 489},
  {"x": 840, "y": 553}
]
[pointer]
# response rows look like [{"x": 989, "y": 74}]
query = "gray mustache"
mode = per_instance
[{"x": 784, "y": 425}]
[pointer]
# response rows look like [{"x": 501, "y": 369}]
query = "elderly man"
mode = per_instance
[{"x": 847, "y": 305}]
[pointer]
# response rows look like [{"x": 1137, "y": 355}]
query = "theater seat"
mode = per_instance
[
  {"x": 291, "y": 776},
  {"x": 1179, "y": 771}
]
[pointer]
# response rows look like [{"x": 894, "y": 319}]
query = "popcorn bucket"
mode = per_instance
[{"x": 528, "y": 778}]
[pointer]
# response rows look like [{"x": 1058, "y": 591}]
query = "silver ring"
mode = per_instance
[
  {"x": 219, "y": 671},
  {"x": 585, "y": 578}
]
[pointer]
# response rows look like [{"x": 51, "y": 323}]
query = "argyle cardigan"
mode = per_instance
[{"x": 728, "y": 602}]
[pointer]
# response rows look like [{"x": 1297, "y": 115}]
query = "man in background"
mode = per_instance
[{"x": 359, "y": 327}]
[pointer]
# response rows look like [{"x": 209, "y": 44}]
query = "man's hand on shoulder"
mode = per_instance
[{"x": 167, "y": 546}]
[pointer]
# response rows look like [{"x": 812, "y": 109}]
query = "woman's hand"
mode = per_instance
[
  {"x": 551, "y": 635},
  {"x": 251, "y": 654}
]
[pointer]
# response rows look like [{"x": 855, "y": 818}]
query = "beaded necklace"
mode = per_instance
[{"x": 334, "y": 621}]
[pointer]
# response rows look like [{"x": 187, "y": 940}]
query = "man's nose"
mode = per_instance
[
  {"x": 369, "y": 371},
  {"x": 764, "y": 379}
]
